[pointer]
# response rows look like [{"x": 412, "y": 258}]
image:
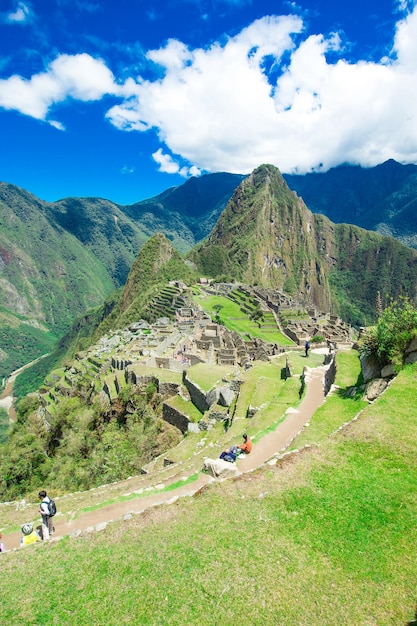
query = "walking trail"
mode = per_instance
[{"x": 269, "y": 446}]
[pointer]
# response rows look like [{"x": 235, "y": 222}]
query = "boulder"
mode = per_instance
[
  {"x": 388, "y": 371},
  {"x": 411, "y": 357},
  {"x": 412, "y": 346},
  {"x": 226, "y": 396},
  {"x": 218, "y": 467},
  {"x": 370, "y": 368},
  {"x": 375, "y": 388}
]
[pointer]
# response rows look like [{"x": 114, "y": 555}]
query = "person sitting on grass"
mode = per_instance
[
  {"x": 234, "y": 451},
  {"x": 29, "y": 535},
  {"x": 246, "y": 446}
]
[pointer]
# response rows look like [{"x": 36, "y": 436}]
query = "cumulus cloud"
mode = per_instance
[
  {"x": 80, "y": 77},
  {"x": 271, "y": 94}
]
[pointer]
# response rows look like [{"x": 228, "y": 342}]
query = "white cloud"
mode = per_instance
[
  {"x": 21, "y": 14},
  {"x": 169, "y": 166},
  {"x": 267, "y": 95},
  {"x": 57, "y": 125},
  {"x": 219, "y": 109},
  {"x": 127, "y": 169},
  {"x": 79, "y": 77},
  {"x": 166, "y": 162}
]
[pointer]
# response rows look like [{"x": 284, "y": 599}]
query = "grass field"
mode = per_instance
[
  {"x": 233, "y": 318},
  {"x": 328, "y": 536}
]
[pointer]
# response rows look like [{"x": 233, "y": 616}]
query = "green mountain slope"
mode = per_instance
[
  {"x": 47, "y": 278},
  {"x": 157, "y": 264},
  {"x": 382, "y": 198},
  {"x": 267, "y": 236},
  {"x": 185, "y": 214},
  {"x": 103, "y": 229},
  {"x": 59, "y": 259}
]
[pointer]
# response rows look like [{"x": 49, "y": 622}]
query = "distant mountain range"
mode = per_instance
[
  {"x": 381, "y": 198},
  {"x": 59, "y": 259}
]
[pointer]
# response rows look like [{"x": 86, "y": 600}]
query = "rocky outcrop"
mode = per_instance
[
  {"x": 371, "y": 368},
  {"x": 375, "y": 388},
  {"x": 411, "y": 352}
]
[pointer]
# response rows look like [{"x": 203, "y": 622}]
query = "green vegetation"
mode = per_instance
[
  {"x": 322, "y": 538},
  {"x": 395, "y": 328},
  {"x": 4, "y": 425},
  {"x": 186, "y": 407},
  {"x": 81, "y": 447},
  {"x": 207, "y": 377},
  {"x": 147, "y": 293},
  {"x": 22, "y": 344},
  {"x": 233, "y": 316}
]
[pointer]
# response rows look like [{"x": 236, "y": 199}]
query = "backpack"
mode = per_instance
[{"x": 52, "y": 508}]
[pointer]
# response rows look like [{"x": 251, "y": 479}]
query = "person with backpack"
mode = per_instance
[{"x": 47, "y": 510}]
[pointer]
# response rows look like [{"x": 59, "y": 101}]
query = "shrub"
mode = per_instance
[
  {"x": 318, "y": 339},
  {"x": 395, "y": 328}
]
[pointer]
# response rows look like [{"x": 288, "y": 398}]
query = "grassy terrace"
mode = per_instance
[
  {"x": 232, "y": 317},
  {"x": 206, "y": 376},
  {"x": 164, "y": 375},
  {"x": 185, "y": 407},
  {"x": 326, "y": 537}
]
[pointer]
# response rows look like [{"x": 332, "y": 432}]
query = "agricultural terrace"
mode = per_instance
[{"x": 225, "y": 311}]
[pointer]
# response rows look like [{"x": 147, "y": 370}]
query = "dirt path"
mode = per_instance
[{"x": 269, "y": 446}]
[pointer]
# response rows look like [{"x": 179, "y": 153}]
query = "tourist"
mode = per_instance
[
  {"x": 47, "y": 523},
  {"x": 307, "y": 347},
  {"x": 246, "y": 446},
  {"x": 2, "y": 547}
]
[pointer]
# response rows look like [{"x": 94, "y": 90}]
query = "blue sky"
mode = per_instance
[{"x": 124, "y": 99}]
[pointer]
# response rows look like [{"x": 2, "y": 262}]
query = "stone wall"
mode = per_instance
[
  {"x": 175, "y": 417},
  {"x": 330, "y": 374},
  {"x": 199, "y": 398}
]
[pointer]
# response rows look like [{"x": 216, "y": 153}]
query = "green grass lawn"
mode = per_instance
[
  {"x": 206, "y": 376},
  {"x": 186, "y": 407},
  {"x": 324, "y": 537},
  {"x": 233, "y": 318}
]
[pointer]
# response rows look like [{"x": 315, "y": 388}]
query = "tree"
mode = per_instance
[{"x": 217, "y": 308}]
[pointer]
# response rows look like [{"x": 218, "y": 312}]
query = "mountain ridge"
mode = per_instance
[
  {"x": 382, "y": 198},
  {"x": 268, "y": 236},
  {"x": 91, "y": 244}
]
